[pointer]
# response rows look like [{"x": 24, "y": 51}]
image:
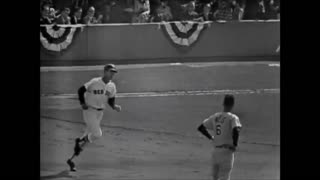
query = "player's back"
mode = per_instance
[{"x": 223, "y": 123}]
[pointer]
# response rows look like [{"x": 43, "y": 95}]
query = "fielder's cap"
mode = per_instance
[{"x": 110, "y": 67}]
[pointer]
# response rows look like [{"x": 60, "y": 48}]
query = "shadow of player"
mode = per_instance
[{"x": 62, "y": 174}]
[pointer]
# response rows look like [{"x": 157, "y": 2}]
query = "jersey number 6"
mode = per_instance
[{"x": 218, "y": 129}]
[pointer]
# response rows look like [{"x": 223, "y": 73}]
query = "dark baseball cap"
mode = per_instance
[
  {"x": 228, "y": 100},
  {"x": 110, "y": 67}
]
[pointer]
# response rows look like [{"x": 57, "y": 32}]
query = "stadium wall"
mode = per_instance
[{"x": 127, "y": 43}]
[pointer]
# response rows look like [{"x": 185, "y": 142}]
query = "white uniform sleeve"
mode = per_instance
[
  {"x": 88, "y": 85},
  {"x": 112, "y": 91},
  {"x": 209, "y": 122},
  {"x": 235, "y": 122}
]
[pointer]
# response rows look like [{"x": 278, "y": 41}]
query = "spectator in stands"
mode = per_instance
[
  {"x": 154, "y": 4},
  {"x": 224, "y": 11},
  {"x": 100, "y": 7},
  {"x": 76, "y": 18},
  {"x": 177, "y": 10},
  {"x": 271, "y": 10},
  {"x": 199, "y": 4},
  {"x": 90, "y": 19},
  {"x": 106, "y": 10},
  {"x": 214, "y": 6},
  {"x": 52, "y": 14},
  {"x": 190, "y": 13},
  {"x": 141, "y": 11},
  {"x": 237, "y": 10},
  {"x": 80, "y": 3},
  {"x": 251, "y": 9},
  {"x": 121, "y": 12},
  {"x": 261, "y": 12},
  {"x": 206, "y": 15},
  {"x": 44, "y": 18},
  {"x": 64, "y": 18},
  {"x": 163, "y": 12}
]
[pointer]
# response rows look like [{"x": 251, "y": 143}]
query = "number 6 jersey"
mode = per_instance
[
  {"x": 98, "y": 92},
  {"x": 222, "y": 124}
]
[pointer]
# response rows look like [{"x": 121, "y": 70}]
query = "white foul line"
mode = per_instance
[{"x": 175, "y": 93}]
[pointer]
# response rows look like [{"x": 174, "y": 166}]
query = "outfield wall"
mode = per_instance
[{"x": 122, "y": 43}]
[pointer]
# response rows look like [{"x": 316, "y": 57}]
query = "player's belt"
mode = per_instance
[{"x": 98, "y": 109}]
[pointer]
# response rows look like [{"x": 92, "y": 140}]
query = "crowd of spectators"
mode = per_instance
[{"x": 144, "y": 11}]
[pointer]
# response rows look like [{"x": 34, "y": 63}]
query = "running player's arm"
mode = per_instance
[
  {"x": 112, "y": 98},
  {"x": 236, "y": 127},
  {"x": 81, "y": 92},
  {"x": 207, "y": 124},
  {"x": 112, "y": 102}
]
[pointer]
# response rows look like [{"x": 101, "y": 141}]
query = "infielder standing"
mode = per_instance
[
  {"x": 93, "y": 96},
  {"x": 226, "y": 127}
]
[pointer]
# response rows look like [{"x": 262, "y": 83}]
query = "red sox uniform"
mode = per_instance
[
  {"x": 93, "y": 96},
  {"x": 222, "y": 124},
  {"x": 96, "y": 96}
]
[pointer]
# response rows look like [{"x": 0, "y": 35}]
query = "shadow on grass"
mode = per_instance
[{"x": 62, "y": 174}]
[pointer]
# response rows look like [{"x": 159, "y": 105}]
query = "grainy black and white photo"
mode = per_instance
[{"x": 160, "y": 89}]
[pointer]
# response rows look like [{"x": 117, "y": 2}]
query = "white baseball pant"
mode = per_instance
[
  {"x": 222, "y": 163},
  {"x": 92, "y": 118}
]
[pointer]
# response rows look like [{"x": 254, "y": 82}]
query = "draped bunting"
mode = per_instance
[
  {"x": 57, "y": 38},
  {"x": 184, "y": 34}
]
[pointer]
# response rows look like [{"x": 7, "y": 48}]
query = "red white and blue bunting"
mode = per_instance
[
  {"x": 184, "y": 34},
  {"x": 57, "y": 38}
]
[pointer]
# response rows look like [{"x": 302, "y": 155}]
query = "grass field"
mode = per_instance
[{"x": 155, "y": 135}]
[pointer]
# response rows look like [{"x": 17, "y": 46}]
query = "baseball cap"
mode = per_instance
[
  {"x": 110, "y": 67},
  {"x": 228, "y": 100}
]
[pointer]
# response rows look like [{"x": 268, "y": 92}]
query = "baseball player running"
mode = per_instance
[
  {"x": 93, "y": 96},
  {"x": 226, "y": 127}
]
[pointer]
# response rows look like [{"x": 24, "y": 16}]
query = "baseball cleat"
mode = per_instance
[{"x": 71, "y": 165}]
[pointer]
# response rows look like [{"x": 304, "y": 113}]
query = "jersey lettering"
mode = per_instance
[
  {"x": 220, "y": 119},
  {"x": 95, "y": 96},
  {"x": 99, "y": 91},
  {"x": 221, "y": 123}
]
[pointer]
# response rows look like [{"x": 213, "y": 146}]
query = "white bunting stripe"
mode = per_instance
[{"x": 53, "y": 33}]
